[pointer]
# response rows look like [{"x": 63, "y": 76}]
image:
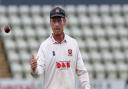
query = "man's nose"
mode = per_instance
[{"x": 56, "y": 24}]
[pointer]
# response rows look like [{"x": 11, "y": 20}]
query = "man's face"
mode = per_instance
[{"x": 57, "y": 24}]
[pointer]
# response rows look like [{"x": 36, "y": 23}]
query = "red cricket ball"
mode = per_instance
[{"x": 7, "y": 28}]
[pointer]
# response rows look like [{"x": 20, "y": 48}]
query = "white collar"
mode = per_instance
[{"x": 55, "y": 42}]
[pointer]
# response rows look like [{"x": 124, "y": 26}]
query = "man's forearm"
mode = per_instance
[{"x": 84, "y": 79}]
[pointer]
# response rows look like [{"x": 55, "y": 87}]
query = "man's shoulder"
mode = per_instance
[
  {"x": 71, "y": 39},
  {"x": 45, "y": 42}
]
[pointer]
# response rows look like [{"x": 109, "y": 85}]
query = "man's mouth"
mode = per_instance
[{"x": 57, "y": 29}]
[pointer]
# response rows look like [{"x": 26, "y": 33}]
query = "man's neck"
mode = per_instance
[{"x": 59, "y": 38}]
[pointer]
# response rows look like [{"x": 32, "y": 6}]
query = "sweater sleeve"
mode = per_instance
[
  {"x": 81, "y": 71},
  {"x": 40, "y": 61}
]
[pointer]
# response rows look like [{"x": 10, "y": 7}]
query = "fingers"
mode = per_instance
[
  {"x": 33, "y": 62},
  {"x": 33, "y": 56}
]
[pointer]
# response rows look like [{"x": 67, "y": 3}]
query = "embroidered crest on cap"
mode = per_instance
[{"x": 57, "y": 10}]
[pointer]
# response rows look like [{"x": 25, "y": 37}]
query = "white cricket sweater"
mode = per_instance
[{"x": 59, "y": 62}]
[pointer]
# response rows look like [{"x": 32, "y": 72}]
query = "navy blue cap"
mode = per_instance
[{"x": 57, "y": 11}]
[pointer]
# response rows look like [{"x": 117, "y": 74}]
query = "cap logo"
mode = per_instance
[{"x": 57, "y": 10}]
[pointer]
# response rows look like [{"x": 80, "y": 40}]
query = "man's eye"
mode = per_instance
[{"x": 58, "y": 20}]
